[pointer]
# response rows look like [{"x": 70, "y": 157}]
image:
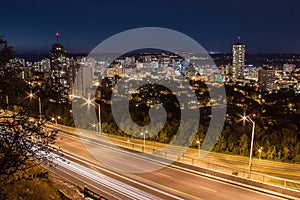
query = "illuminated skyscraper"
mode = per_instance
[
  {"x": 238, "y": 60},
  {"x": 59, "y": 70},
  {"x": 266, "y": 79}
]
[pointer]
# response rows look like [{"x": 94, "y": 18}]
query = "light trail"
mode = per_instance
[
  {"x": 101, "y": 179},
  {"x": 95, "y": 175}
]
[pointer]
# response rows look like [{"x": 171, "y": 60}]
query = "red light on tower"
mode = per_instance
[{"x": 57, "y": 35}]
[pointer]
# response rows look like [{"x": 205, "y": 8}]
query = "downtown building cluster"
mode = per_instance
[{"x": 60, "y": 71}]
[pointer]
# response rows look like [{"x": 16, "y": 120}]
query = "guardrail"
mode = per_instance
[
  {"x": 263, "y": 178},
  {"x": 185, "y": 158},
  {"x": 259, "y": 177}
]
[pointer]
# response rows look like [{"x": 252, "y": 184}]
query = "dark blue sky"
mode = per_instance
[{"x": 264, "y": 26}]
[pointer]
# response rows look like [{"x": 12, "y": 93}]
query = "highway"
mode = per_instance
[
  {"x": 166, "y": 182},
  {"x": 98, "y": 182},
  {"x": 278, "y": 169}
]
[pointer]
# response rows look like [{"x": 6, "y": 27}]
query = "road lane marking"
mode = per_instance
[
  {"x": 123, "y": 177},
  {"x": 207, "y": 188},
  {"x": 166, "y": 175},
  {"x": 138, "y": 177},
  {"x": 189, "y": 171},
  {"x": 185, "y": 170}
]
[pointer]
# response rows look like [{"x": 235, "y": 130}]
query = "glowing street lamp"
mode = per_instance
[
  {"x": 90, "y": 102},
  {"x": 199, "y": 147},
  {"x": 259, "y": 151},
  {"x": 245, "y": 118},
  {"x": 30, "y": 95},
  {"x": 54, "y": 119},
  {"x": 94, "y": 126}
]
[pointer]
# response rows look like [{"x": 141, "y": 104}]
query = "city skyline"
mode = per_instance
[
  {"x": 266, "y": 27},
  {"x": 150, "y": 99}
]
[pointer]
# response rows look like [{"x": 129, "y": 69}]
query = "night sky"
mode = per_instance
[{"x": 264, "y": 26}]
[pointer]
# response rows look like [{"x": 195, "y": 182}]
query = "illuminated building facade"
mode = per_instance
[
  {"x": 59, "y": 71},
  {"x": 266, "y": 79},
  {"x": 238, "y": 60}
]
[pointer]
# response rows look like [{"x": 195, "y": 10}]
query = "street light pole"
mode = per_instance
[
  {"x": 31, "y": 95},
  {"x": 89, "y": 101},
  {"x": 145, "y": 139},
  {"x": 6, "y": 100},
  {"x": 259, "y": 151},
  {"x": 198, "y": 142},
  {"x": 99, "y": 118},
  {"x": 199, "y": 147},
  {"x": 40, "y": 109},
  {"x": 251, "y": 147}
]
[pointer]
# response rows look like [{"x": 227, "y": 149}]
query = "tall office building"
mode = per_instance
[
  {"x": 59, "y": 70},
  {"x": 238, "y": 60},
  {"x": 266, "y": 79}
]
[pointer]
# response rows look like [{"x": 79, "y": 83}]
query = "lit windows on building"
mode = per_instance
[
  {"x": 266, "y": 79},
  {"x": 238, "y": 60},
  {"x": 59, "y": 71}
]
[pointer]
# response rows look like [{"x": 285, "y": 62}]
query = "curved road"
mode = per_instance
[{"x": 173, "y": 181}]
